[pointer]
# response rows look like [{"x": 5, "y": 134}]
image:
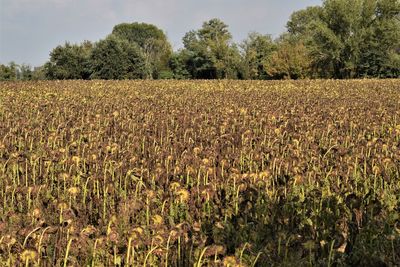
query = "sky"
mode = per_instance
[{"x": 30, "y": 29}]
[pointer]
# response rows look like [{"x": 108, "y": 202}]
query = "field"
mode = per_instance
[{"x": 200, "y": 173}]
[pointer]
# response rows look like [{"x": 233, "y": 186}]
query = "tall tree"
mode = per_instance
[
  {"x": 9, "y": 72},
  {"x": 291, "y": 60},
  {"x": 211, "y": 52},
  {"x": 153, "y": 44},
  {"x": 70, "y": 61},
  {"x": 38, "y": 73},
  {"x": 256, "y": 51},
  {"x": 25, "y": 72},
  {"x": 336, "y": 37},
  {"x": 351, "y": 38},
  {"x": 299, "y": 22},
  {"x": 115, "y": 58},
  {"x": 196, "y": 58},
  {"x": 13, "y": 71},
  {"x": 178, "y": 65},
  {"x": 380, "y": 49}
]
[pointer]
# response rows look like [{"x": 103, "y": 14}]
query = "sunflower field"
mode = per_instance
[{"x": 200, "y": 173}]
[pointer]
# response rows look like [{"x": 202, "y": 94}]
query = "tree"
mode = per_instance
[
  {"x": 210, "y": 52},
  {"x": 335, "y": 39},
  {"x": 25, "y": 72},
  {"x": 350, "y": 39},
  {"x": 153, "y": 43},
  {"x": 70, "y": 61},
  {"x": 178, "y": 65},
  {"x": 115, "y": 58},
  {"x": 13, "y": 71},
  {"x": 216, "y": 40},
  {"x": 256, "y": 51},
  {"x": 299, "y": 22},
  {"x": 290, "y": 61},
  {"x": 9, "y": 72},
  {"x": 379, "y": 51},
  {"x": 38, "y": 73},
  {"x": 196, "y": 58}
]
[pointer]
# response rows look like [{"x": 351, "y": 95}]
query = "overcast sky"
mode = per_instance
[{"x": 30, "y": 29}]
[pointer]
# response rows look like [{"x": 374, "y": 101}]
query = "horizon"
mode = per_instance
[{"x": 29, "y": 29}]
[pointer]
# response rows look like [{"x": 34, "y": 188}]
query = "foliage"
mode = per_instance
[
  {"x": 8, "y": 73},
  {"x": 300, "y": 21},
  {"x": 256, "y": 51},
  {"x": 178, "y": 64},
  {"x": 200, "y": 173},
  {"x": 70, "y": 61},
  {"x": 210, "y": 53},
  {"x": 290, "y": 61},
  {"x": 24, "y": 72},
  {"x": 115, "y": 58},
  {"x": 340, "y": 39},
  {"x": 152, "y": 42},
  {"x": 38, "y": 73},
  {"x": 350, "y": 39}
]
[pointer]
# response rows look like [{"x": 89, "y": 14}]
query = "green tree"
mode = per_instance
[
  {"x": 38, "y": 73},
  {"x": 379, "y": 51},
  {"x": 256, "y": 51},
  {"x": 210, "y": 52},
  {"x": 335, "y": 39},
  {"x": 70, "y": 61},
  {"x": 178, "y": 65},
  {"x": 153, "y": 43},
  {"x": 25, "y": 72},
  {"x": 351, "y": 38},
  {"x": 196, "y": 58},
  {"x": 115, "y": 58},
  {"x": 13, "y": 71},
  {"x": 300, "y": 21},
  {"x": 9, "y": 72},
  {"x": 291, "y": 60}
]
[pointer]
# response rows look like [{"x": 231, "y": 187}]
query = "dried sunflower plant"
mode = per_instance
[{"x": 200, "y": 173}]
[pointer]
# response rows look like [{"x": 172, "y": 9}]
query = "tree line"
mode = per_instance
[{"x": 339, "y": 39}]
